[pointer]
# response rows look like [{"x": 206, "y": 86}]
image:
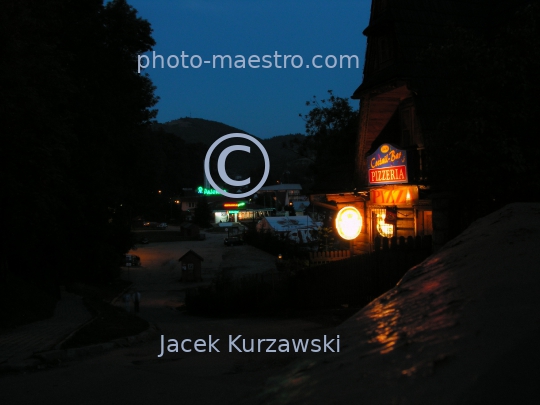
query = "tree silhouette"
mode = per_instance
[
  {"x": 331, "y": 131},
  {"x": 74, "y": 114}
]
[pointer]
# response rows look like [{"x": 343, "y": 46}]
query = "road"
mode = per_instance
[{"x": 137, "y": 375}]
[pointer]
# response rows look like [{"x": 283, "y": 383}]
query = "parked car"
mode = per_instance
[
  {"x": 132, "y": 260},
  {"x": 233, "y": 240},
  {"x": 163, "y": 225}
]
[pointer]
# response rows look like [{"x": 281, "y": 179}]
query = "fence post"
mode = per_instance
[
  {"x": 385, "y": 244},
  {"x": 377, "y": 244},
  {"x": 394, "y": 244}
]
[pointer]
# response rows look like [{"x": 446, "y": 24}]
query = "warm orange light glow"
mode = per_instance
[
  {"x": 386, "y": 332},
  {"x": 349, "y": 223},
  {"x": 386, "y": 230},
  {"x": 230, "y": 205}
]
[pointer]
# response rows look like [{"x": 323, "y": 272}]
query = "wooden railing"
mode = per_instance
[{"x": 318, "y": 258}]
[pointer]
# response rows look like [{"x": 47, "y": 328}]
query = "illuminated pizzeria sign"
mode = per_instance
[
  {"x": 388, "y": 165},
  {"x": 394, "y": 195}
]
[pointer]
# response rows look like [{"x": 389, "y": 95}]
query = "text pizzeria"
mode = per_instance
[{"x": 391, "y": 174}]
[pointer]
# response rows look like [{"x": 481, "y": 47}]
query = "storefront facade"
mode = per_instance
[
  {"x": 241, "y": 211},
  {"x": 400, "y": 109},
  {"x": 394, "y": 207}
]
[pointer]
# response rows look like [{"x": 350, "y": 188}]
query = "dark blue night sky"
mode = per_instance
[{"x": 262, "y": 101}]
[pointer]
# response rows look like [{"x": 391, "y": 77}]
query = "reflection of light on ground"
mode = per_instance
[
  {"x": 149, "y": 256},
  {"x": 386, "y": 333},
  {"x": 296, "y": 381},
  {"x": 430, "y": 286},
  {"x": 156, "y": 255},
  {"x": 415, "y": 313}
]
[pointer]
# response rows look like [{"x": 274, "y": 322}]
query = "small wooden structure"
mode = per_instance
[{"x": 191, "y": 266}]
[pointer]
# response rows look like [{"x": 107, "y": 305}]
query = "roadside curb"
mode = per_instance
[{"x": 57, "y": 356}]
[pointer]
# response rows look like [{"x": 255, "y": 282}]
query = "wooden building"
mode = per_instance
[
  {"x": 399, "y": 105},
  {"x": 191, "y": 266}
]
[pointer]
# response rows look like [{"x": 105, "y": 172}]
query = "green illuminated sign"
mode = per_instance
[
  {"x": 207, "y": 191},
  {"x": 234, "y": 212}
]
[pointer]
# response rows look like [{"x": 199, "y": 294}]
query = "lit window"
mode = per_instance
[{"x": 384, "y": 229}]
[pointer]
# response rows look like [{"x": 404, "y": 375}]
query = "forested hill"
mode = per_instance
[
  {"x": 195, "y": 135},
  {"x": 194, "y": 130}
]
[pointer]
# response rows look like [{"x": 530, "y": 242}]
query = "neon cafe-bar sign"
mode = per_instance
[
  {"x": 234, "y": 205},
  {"x": 387, "y": 165}
]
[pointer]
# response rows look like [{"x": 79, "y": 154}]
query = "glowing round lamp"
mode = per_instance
[{"x": 349, "y": 223}]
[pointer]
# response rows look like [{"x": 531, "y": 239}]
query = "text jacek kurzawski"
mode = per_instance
[{"x": 238, "y": 344}]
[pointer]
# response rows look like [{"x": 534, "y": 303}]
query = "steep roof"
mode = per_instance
[
  {"x": 191, "y": 253},
  {"x": 468, "y": 311},
  {"x": 415, "y": 25}
]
